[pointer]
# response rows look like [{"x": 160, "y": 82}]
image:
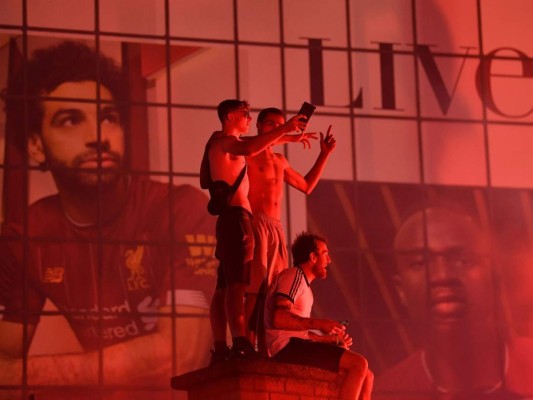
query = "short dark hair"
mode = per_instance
[
  {"x": 229, "y": 105},
  {"x": 302, "y": 247},
  {"x": 52, "y": 66},
  {"x": 266, "y": 112}
]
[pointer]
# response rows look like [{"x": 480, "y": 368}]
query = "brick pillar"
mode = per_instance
[{"x": 244, "y": 379}]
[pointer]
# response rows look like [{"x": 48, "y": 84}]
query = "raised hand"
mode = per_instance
[
  {"x": 306, "y": 137},
  {"x": 328, "y": 142},
  {"x": 296, "y": 124}
]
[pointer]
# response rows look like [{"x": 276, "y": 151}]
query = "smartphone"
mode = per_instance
[{"x": 307, "y": 109}]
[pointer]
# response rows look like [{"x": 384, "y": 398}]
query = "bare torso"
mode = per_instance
[
  {"x": 227, "y": 167},
  {"x": 266, "y": 174}
]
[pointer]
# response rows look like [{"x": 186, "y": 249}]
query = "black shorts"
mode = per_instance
[
  {"x": 235, "y": 246},
  {"x": 314, "y": 354}
]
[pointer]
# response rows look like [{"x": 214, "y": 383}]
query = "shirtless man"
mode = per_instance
[
  {"x": 224, "y": 160},
  {"x": 267, "y": 171}
]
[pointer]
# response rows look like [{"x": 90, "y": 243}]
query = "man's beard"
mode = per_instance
[{"x": 86, "y": 181}]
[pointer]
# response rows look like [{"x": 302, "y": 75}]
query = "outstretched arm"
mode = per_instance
[
  {"x": 307, "y": 184},
  {"x": 256, "y": 144},
  {"x": 304, "y": 138}
]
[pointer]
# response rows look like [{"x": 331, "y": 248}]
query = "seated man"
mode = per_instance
[{"x": 288, "y": 323}]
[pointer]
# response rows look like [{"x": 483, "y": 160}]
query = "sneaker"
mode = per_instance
[
  {"x": 218, "y": 357},
  {"x": 244, "y": 350}
]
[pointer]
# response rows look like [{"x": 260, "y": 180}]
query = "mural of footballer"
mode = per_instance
[{"x": 127, "y": 260}]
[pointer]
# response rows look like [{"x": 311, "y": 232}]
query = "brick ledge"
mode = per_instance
[{"x": 242, "y": 379}]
